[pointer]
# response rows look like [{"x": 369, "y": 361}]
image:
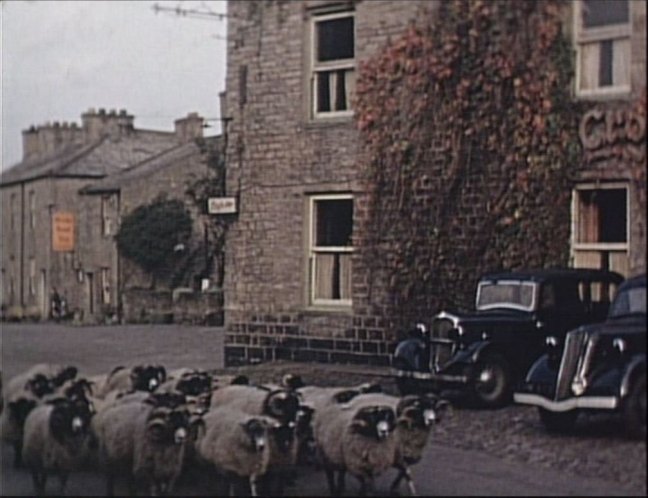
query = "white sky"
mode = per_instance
[{"x": 60, "y": 58}]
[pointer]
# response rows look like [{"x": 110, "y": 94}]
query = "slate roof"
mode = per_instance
[{"x": 104, "y": 157}]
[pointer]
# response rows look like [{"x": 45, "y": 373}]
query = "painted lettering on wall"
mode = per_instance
[
  {"x": 63, "y": 231},
  {"x": 613, "y": 133}
]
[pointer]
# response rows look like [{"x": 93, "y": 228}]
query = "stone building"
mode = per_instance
[
  {"x": 54, "y": 238},
  {"x": 293, "y": 288}
]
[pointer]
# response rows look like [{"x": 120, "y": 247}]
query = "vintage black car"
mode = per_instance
[
  {"x": 597, "y": 367},
  {"x": 486, "y": 352}
]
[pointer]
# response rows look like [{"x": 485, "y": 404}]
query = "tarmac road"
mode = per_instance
[{"x": 444, "y": 471}]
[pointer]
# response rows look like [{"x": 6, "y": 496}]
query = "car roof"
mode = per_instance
[
  {"x": 543, "y": 274},
  {"x": 636, "y": 281}
]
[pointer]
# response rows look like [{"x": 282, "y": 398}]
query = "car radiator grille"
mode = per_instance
[
  {"x": 442, "y": 346},
  {"x": 573, "y": 351}
]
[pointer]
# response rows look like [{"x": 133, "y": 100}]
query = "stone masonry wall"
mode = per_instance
[{"x": 277, "y": 157}]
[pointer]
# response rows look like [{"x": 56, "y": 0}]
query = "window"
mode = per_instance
[
  {"x": 105, "y": 286},
  {"x": 107, "y": 205},
  {"x": 32, "y": 277},
  {"x": 32, "y": 209},
  {"x": 331, "y": 226},
  {"x": 333, "y": 64},
  {"x": 600, "y": 227},
  {"x": 603, "y": 31},
  {"x": 12, "y": 212}
]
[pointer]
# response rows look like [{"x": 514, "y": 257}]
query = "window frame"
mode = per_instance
[
  {"x": 583, "y": 36},
  {"x": 313, "y": 249},
  {"x": 576, "y": 210},
  {"x": 318, "y": 67}
]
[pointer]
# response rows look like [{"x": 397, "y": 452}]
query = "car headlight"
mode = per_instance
[
  {"x": 551, "y": 341},
  {"x": 579, "y": 386}
]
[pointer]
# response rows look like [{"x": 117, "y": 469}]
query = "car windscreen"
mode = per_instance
[
  {"x": 514, "y": 294},
  {"x": 629, "y": 301}
]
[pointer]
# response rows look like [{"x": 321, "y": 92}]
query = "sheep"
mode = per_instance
[
  {"x": 138, "y": 378},
  {"x": 258, "y": 400},
  {"x": 21, "y": 395},
  {"x": 238, "y": 445},
  {"x": 415, "y": 416},
  {"x": 54, "y": 440},
  {"x": 55, "y": 374},
  {"x": 143, "y": 440},
  {"x": 361, "y": 442}
]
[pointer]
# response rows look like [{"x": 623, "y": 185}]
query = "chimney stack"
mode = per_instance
[
  {"x": 100, "y": 124},
  {"x": 189, "y": 128}
]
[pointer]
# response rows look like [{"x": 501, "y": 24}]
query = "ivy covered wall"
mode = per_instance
[{"x": 470, "y": 144}]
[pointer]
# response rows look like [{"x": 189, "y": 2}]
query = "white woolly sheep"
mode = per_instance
[
  {"x": 239, "y": 445},
  {"x": 55, "y": 440},
  {"x": 415, "y": 416},
  {"x": 361, "y": 442},
  {"x": 143, "y": 441}
]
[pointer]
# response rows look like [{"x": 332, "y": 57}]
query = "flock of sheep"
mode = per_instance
[{"x": 146, "y": 424}]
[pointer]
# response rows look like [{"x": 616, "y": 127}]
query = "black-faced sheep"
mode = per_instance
[
  {"x": 361, "y": 442},
  {"x": 415, "y": 416},
  {"x": 55, "y": 440},
  {"x": 239, "y": 445},
  {"x": 23, "y": 393},
  {"x": 138, "y": 378},
  {"x": 143, "y": 441}
]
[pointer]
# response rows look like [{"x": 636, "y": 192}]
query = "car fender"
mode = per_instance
[
  {"x": 410, "y": 353},
  {"x": 541, "y": 372},
  {"x": 473, "y": 353},
  {"x": 636, "y": 366}
]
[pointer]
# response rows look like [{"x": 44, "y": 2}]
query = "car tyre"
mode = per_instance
[
  {"x": 634, "y": 409},
  {"x": 558, "y": 422},
  {"x": 492, "y": 382}
]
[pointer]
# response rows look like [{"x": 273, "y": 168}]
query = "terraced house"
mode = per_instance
[
  {"x": 62, "y": 205},
  {"x": 296, "y": 286}
]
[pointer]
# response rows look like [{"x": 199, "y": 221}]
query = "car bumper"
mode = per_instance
[
  {"x": 433, "y": 377},
  {"x": 583, "y": 402}
]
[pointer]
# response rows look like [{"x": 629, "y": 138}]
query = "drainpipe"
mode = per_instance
[{"x": 22, "y": 246}]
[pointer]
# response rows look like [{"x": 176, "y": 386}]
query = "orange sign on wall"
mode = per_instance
[{"x": 63, "y": 232}]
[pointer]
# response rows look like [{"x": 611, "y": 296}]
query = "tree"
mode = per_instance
[{"x": 152, "y": 234}]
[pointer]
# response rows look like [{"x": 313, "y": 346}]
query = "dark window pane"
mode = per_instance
[
  {"x": 612, "y": 215},
  {"x": 334, "y": 222},
  {"x": 605, "y": 63},
  {"x": 323, "y": 91},
  {"x": 335, "y": 39},
  {"x": 603, "y": 12},
  {"x": 340, "y": 92}
]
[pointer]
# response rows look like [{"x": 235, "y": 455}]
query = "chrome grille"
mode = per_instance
[
  {"x": 572, "y": 353},
  {"x": 442, "y": 347}
]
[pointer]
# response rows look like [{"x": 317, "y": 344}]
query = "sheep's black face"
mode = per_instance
[
  {"x": 421, "y": 411},
  {"x": 282, "y": 405},
  {"x": 39, "y": 385},
  {"x": 195, "y": 384},
  {"x": 240, "y": 380},
  {"x": 283, "y": 436},
  {"x": 69, "y": 419},
  {"x": 20, "y": 408},
  {"x": 147, "y": 378},
  {"x": 345, "y": 396},
  {"x": 304, "y": 421},
  {"x": 168, "y": 400},
  {"x": 256, "y": 432},
  {"x": 167, "y": 427},
  {"x": 68, "y": 373},
  {"x": 374, "y": 421},
  {"x": 293, "y": 382},
  {"x": 80, "y": 389}
]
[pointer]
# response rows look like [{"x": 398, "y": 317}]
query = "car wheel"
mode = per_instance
[
  {"x": 634, "y": 409},
  {"x": 558, "y": 421},
  {"x": 492, "y": 381}
]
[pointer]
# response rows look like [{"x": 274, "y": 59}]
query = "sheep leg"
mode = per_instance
[
  {"x": 403, "y": 472},
  {"x": 253, "y": 486},
  {"x": 17, "y": 463},
  {"x": 341, "y": 482},
  {"x": 330, "y": 478},
  {"x": 63, "y": 478},
  {"x": 39, "y": 480},
  {"x": 366, "y": 486}
]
